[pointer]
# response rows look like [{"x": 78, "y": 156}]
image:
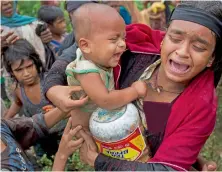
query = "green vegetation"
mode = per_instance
[
  {"x": 73, "y": 163},
  {"x": 213, "y": 148}
]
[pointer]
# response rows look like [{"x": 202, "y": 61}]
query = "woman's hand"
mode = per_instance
[
  {"x": 67, "y": 146},
  {"x": 88, "y": 150},
  {"x": 60, "y": 96},
  {"x": 8, "y": 39},
  {"x": 209, "y": 166},
  {"x": 203, "y": 165},
  {"x": 46, "y": 36}
]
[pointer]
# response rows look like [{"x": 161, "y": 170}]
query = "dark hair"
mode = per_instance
[
  {"x": 214, "y": 8},
  {"x": 49, "y": 14},
  {"x": 21, "y": 50}
]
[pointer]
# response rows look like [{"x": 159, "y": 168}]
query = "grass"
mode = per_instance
[{"x": 213, "y": 148}]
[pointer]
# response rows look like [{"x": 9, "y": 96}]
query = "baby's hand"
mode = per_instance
[{"x": 140, "y": 87}]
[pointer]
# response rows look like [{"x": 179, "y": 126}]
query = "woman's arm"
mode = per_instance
[
  {"x": 89, "y": 155},
  {"x": 7, "y": 39},
  {"x": 28, "y": 130},
  {"x": 14, "y": 108},
  {"x": 54, "y": 116},
  {"x": 95, "y": 88},
  {"x": 67, "y": 146},
  {"x": 56, "y": 81}
]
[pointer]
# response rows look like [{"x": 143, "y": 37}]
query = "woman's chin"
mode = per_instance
[{"x": 177, "y": 78}]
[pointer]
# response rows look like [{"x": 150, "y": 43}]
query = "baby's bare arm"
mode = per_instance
[{"x": 94, "y": 87}]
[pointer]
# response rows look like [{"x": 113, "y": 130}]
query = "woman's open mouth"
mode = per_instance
[
  {"x": 179, "y": 68},
  {"x": 8, "y": 11}
]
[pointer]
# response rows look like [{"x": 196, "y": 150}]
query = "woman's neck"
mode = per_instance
[
  {"x": 37, "y": 81},
  {"x": 167, "y": 84}
]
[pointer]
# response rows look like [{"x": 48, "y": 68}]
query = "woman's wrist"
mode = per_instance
[
  {"x": 92, "y": 159},
  {"x": 61, "y": 156},
  {"x": 59, "y": 162}
]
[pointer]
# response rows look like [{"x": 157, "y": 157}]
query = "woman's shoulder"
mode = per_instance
[
  {"x": 133, "y": 65},
  {"x": 202, "y": 88}
]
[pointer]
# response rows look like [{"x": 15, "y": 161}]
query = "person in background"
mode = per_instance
[
  {"x": 155, "y": 14},
  {"x": 22, "y": 27},
  {"x": 122, "y": 10},
  {"x": 25, "y": 67},
  {"x": 18, "y": 134},
  {"x": 51, "y": 2},
  {"x": 54, "y": 17}
]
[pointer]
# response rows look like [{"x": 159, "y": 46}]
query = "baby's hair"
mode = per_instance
[
  {"x": 21, "y": 50},
  {"x": 83, "y": 18},
  {"x": 49, "y": 14}
]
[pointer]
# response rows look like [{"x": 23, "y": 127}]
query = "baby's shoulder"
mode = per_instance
[{"x": 82, "y": 66}]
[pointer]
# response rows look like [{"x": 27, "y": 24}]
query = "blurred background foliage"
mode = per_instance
[{"x": 30, "y": 8}]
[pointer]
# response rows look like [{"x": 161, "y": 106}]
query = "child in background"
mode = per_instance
[
  {"x": 54, "y": 17},
  {"x": 25, "y": 67},
  {"x": 101, "y": 42}
]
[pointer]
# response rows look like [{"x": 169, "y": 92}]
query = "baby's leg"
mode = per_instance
[{"x": 80, "y": 118}]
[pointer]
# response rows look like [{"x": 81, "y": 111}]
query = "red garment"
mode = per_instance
[
  {"x": 140, "y": 38},
  {"x": 191, "y": 121},
  {"x": 193, "y": 115}
]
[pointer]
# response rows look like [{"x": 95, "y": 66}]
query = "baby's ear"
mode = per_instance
[{"x": 84, "y": 45}]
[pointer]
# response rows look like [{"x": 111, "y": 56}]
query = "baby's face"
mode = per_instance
[{"x": 108, "y": 43}]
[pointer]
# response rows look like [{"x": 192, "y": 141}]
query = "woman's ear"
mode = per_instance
[
  {"x": 211, "y": 60},
  {"x": 84, "y": 45}
]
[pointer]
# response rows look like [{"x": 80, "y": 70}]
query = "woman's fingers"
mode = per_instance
[
  {"x": 12, "y": 39},
  {"x": 77, "y": 147},
  {"x": 72, "y": 132},
  {"x": 76, "y": 143},
  {"x": 88, "y": 139},
  {"x": 210, "y": 166},
  {"x": 72, "y": 104},
  {"x": 46, "y": 36},
  {"x": 8, "y": 34},
  {"x": 73, "y": 89}
]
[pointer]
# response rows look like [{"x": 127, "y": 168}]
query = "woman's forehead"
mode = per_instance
[
  {"x": 192, "y": 29},
  {"x": 4, "y": 2},
  {"x": 21, "y": 63}
]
